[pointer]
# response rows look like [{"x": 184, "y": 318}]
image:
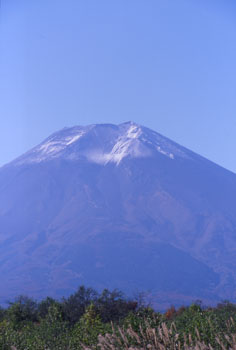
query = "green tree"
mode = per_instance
[
  {"x": 88, "y": 328},
  {"x": 75, "y": 306},
  {"x": 23, "y": 309}
]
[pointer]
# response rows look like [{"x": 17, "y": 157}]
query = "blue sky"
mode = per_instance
[{"x": 169, "y": 65}]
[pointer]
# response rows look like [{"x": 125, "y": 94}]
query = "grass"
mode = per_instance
[{"x": 161, "y": 338}]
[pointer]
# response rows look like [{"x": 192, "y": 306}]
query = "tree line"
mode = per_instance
[{"x": 108, "y": 320}]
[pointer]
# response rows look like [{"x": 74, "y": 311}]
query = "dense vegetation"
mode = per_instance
[{"x": 109, "y": 321}]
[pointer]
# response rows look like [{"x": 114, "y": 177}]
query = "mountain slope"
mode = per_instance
[{"x": 117, "y": 206}]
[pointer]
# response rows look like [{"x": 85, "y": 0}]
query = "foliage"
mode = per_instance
[
  {"x": 109, "y": 321},
  {"x": 75, "y": 306},
  {"x": 89, "y": 327},
  {"x": 23, "y": 309},
  {"x": 112, "y": 306}
]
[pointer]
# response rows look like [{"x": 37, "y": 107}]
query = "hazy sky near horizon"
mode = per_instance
[{"x": 169, "y": 65}]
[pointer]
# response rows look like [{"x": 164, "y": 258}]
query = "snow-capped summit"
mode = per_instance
[{"x": 103, "y": 143}]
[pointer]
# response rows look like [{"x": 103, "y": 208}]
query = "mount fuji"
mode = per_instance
[{"x": 117, "y": 206}]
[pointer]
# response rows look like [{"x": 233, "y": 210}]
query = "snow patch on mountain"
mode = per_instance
[
  {"x": 126, "y": 145},
  {"x": 104, "y": 143},
  {"x": 54, "y": 147}
]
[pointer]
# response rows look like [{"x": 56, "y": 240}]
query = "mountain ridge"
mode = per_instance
[{"x": 126, "y": 135}]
